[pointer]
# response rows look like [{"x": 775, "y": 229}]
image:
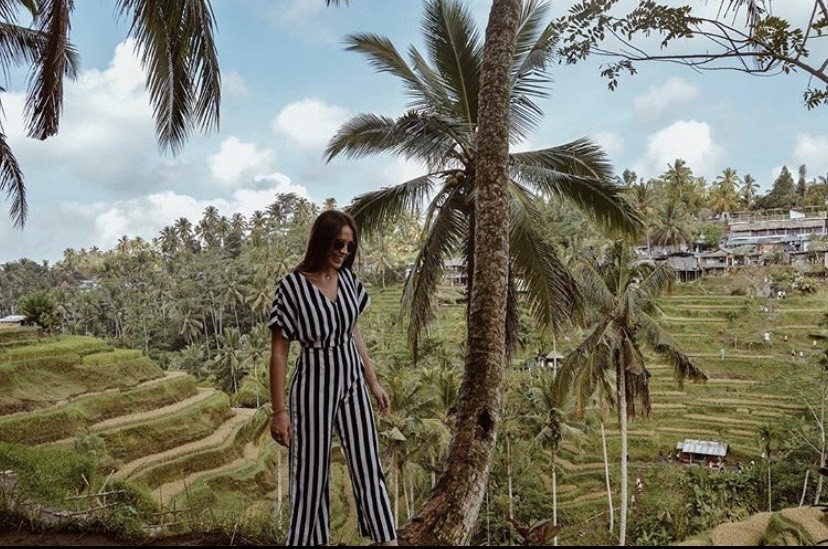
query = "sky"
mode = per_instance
[{"x": 288, "y": 83}]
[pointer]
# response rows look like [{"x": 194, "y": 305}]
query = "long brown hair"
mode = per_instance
[{"x": 325, "y": 230}]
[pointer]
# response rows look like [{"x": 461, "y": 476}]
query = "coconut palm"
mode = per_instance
[
  {"x": 748, "y": 190},
  {"x": 440, "y": 131},
  {"x": 672, "y": 227},
  {"x": 177, "y": 51},
  {"x": 610, "y": 361}
]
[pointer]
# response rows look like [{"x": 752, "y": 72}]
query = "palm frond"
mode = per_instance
[
  {"x": 533, "y": 52},
  {"x": 44, "y": 100},
  {"x": 8, "y": 9},
  {"x": 585, "y": 369},
  {"x": 652, "y": 285},
  {"x": 662, "y": 343},
  {"x": 11, "y": 181},
  {"x": 431, "y": 139},
  {"x": 445, "y": 229},
  {"x": 593, "y": 287},
  {"x": 456, "y": 50},
  {"x": 533, "y": 49},
  {"x": 177, "y": 49},
  {"x": 23, "y": 46},
  {"x": 552, "y": 292},
  {"x": 437, "y": 100},
  {"x": 376, "y": 209},
  {"x": 384, "y": 57},
  {"x": 579, "y": 172}
]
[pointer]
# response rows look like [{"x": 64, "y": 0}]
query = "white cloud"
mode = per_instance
[
  {"x": 83, "y": 225},
  {"x": 233, "y": 84},
  {"x": 660, "y": 99},
  {"x": 237, "y": 159},
  {"x": 399, "y": 171},
  {"x": 811, "y": 150},
  {"x": 612, "y": 143},
  {"x": 689, "y": 140},
  {"x": 107, "y": 136},
  {"x": 310, "y": 122}
]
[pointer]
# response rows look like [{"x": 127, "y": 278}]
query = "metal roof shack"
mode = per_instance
[{"x": 691, "y": 451}]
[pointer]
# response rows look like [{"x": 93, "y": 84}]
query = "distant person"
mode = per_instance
[
  {"x": 318, "y": 304},
  {"x": 721, "y": 353},
  {"x": 766, "y": 337},
  {"x": 801, "y": 356}
]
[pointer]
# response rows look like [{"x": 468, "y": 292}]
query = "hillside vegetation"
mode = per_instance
[{"x": 79, "y": 417}]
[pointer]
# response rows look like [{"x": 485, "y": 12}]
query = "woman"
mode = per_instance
[{"x": 318, "y": 304}]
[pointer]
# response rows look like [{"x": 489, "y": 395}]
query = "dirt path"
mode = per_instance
[
  {"x": 240, "y": 416},
  {"x": 57, "y": 404}
]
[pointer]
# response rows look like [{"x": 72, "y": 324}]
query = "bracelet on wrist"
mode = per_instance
[{"x": 279, "y": 411}]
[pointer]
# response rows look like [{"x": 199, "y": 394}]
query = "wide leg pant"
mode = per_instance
[{"x": 328, "y": 394}]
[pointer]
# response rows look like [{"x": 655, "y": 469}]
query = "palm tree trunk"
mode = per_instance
[
  {"x": 822, "y": 447},
  {"x": 607, "y": 476},
  {"x": 509, "y": 476},
  {"x": 554, "y": 494},
  {"x": 622, "y": 418},
  {"x": 449, "y": 514}
]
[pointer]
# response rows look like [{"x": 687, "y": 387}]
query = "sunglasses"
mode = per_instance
[{"x": 338, "y": 244}]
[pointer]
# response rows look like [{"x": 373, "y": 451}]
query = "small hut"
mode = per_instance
[{"x": 705, "y": 451}]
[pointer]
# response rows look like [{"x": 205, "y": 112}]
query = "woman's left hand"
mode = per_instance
[{"x": 383, "y": 402}]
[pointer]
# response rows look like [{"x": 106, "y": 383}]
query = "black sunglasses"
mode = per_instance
[{"x": 338, "y": 244}]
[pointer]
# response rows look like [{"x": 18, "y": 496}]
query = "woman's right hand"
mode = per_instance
[{"x": 280, "y": 428}]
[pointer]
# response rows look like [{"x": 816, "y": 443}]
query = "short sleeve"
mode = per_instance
[
  {"x": 283, "y": 311},
  {"x": 362, "y": 297}
]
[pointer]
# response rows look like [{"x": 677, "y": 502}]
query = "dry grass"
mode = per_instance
[
  {"x": 809, "y": 519},
  {"x": 747, "y": 532}
]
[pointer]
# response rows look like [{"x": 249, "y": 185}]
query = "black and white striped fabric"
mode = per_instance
[{"x": 327, "y": 394}]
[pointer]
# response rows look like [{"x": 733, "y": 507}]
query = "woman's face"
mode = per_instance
[{"x": 341, "y": 248}]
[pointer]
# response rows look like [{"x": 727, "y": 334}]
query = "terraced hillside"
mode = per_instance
[
  {"x": 755, "y": 384},
  {"x": 157, "y": 430}
]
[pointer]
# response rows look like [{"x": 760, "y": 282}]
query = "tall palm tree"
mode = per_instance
[
  {"x": 748, "y": 190},
  {"x": 724, "y": 194},
  {"x": 673, "y": 225},
  {"x": 440, "y": 130},
  {"x": 178, "y": 54},
  {"x": 610, "y": 361}
]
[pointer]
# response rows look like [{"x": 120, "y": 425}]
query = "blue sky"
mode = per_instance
[{"x": 288, "y": 84}]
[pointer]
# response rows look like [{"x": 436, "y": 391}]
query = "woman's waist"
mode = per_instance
[{"x": 334, "y": 343}]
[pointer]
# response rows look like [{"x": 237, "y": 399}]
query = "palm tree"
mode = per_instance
[
  {"x": 440, "y": 130},
  {"x": 622, "y": 295},
  {"x": 673, "y": 225},
  {"x": 748, "y": 190},
  {"x": 724, "y": 194},
  {"x": 178, "y": 54},
  {"x": 766, "y": 435}
]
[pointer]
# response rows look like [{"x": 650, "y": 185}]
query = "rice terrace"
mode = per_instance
[{"x": 105, "y": 439}]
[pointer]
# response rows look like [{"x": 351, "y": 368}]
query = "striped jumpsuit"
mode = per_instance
[{"x": 327, "y": 393}]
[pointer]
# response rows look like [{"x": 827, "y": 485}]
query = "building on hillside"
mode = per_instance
[
  {"x": 455, "y": 274},
  {"x": 791, "y": 229},
  {"x": 686, "y": 266},
  {"x": 705, "y": 451},
  {"x": 715, "y": 262}
]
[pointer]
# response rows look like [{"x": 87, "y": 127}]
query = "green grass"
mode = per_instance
[
  {"x": 74, "y": 417},
  {"x": 157, "y": 435}
]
